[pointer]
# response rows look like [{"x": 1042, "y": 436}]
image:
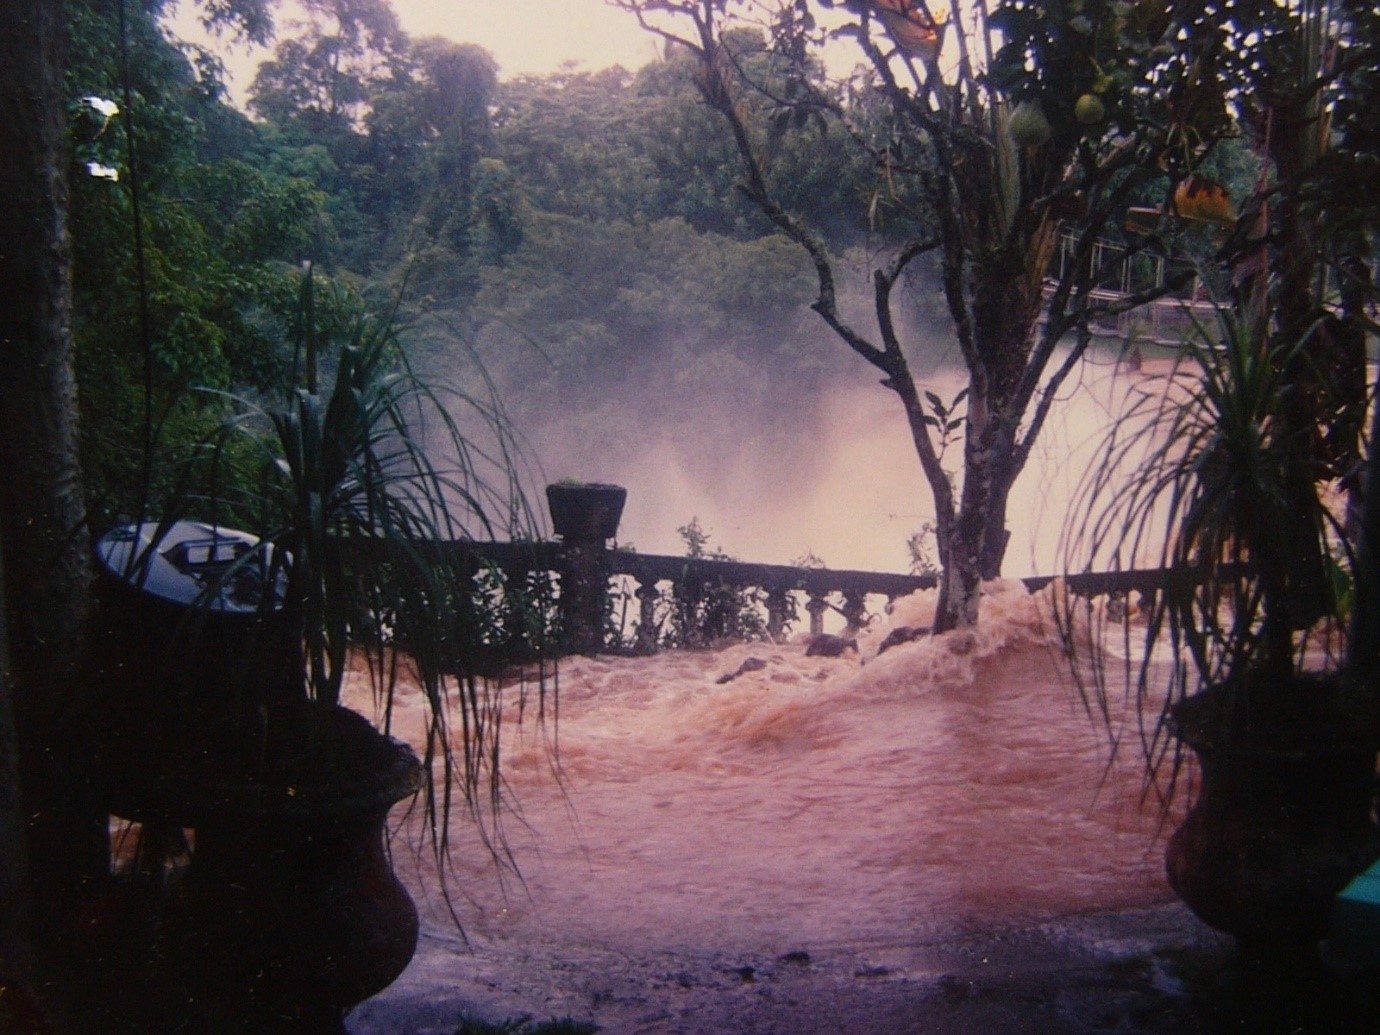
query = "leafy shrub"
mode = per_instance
[{"x": 704, "y": 613}]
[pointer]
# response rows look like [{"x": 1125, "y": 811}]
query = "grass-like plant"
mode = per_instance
[
  {"x": 1210, "y": 476},
  {"x": 361, "y": 488}
]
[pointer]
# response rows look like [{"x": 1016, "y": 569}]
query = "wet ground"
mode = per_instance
[{"x": 1152, "y": 970}]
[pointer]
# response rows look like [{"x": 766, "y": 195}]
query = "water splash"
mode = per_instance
[{"x": 950, "y": 782}]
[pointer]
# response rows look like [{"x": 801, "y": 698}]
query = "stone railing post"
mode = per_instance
[
  {"x": 778, "y": 607},
  {"x": 648, "y": 595},
  {"x": 854, "y": 611},
  {"x": 585, "y": 517}
]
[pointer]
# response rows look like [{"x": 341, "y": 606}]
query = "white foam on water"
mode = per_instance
[{"x": 951, "y": 781}]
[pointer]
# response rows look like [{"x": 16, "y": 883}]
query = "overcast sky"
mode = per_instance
[
  {"x": 524, "y": 36},
  {"x": 534, "y": 35}
]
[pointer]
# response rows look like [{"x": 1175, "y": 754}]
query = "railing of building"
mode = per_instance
[{"x": 1122, "y": 271}]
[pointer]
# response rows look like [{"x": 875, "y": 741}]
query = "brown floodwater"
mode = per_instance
[{"x": 951, "y": 783}]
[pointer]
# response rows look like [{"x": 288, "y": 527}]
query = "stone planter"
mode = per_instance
[
  {"x": 1282, "y": 821},
  {"x": 290, "y": 913},
  {"x": 586, "y": 512}
]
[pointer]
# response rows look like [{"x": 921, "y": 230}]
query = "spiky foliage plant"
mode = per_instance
[
  {"x": 363, "y": 490},
  {"x": 1207, "y": 476}
]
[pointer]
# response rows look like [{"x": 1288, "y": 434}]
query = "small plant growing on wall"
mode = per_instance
[{"x": 708, "y": 612}]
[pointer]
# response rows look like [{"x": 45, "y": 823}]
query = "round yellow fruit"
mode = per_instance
[
  {"x": 1089, "y": 109},
  {"x": 1029, "y": 127}
]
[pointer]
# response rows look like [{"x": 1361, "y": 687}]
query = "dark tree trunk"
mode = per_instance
[
  {"x": 961, "y": 585},
  {"x": 1006, "y": 308},
  {"x": 977, "y": 545},
  {"x": 42, "y": 518},
  {"x": 996, "y": 535},
  {"x": 14, "y": 956}
]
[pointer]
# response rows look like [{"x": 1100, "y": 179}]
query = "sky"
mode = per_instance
[
  {"x": 534, "y": 36},
  {"x": 524, "y": 36}
]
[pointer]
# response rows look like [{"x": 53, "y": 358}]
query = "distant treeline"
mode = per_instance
[{"x": 563, "y": 228}]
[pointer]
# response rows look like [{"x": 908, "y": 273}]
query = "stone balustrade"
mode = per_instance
[{"x": 586, "y": 575}]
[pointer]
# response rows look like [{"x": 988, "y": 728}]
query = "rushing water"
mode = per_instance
[
  {"x": 951, "y": 782},
  {"x": 851, "y": 811}
]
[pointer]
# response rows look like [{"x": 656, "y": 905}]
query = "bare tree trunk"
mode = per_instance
[
  {"x": 961, "y": 586},
  {"x": 42, "y": 517},
  {"x": 997, "y": 534},
  {"x": 14, "y": 872}
]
